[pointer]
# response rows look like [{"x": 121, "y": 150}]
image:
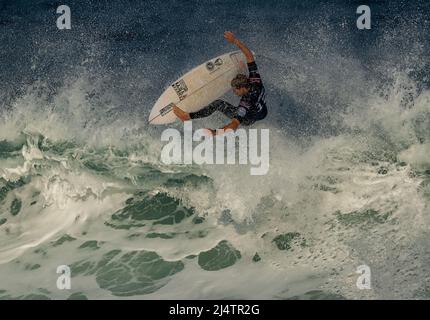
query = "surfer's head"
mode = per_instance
[{"x": 240, "y": 85}]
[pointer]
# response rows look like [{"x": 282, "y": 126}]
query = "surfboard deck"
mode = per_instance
[{"x": 199, "y": 87}]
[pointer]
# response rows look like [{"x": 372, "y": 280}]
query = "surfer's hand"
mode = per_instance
[
  {"x": 230, "y": 36},
  {"x": 231, "y": 126},
  {"x": 211, "y": 132},
  {"x": 184, "y": 116}
]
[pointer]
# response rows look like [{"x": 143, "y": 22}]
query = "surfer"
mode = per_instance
[{"x": 252, "y": 106}]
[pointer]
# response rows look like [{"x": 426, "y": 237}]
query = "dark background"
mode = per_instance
[{"x": 314, "y": 61}]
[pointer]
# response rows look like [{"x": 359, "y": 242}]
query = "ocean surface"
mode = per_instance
[{"x": 82, "y": 183}]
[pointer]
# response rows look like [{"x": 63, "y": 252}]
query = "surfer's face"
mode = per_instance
[{"x": 240, "y": 91}]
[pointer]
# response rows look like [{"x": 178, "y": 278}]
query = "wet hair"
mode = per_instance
[{"x": 240, "y": 81}]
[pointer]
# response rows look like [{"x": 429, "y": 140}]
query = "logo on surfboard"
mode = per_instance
[
  {"x": 181, "y": 89},
  {"x": 212, "y": 65}
]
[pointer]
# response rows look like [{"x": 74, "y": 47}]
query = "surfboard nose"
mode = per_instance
[{"x": 199, "y": 87}]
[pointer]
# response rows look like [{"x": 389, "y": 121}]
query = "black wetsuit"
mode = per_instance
[{"x": 252, "y": 106}]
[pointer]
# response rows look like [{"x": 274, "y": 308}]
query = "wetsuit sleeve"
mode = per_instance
[{"x": 254, "y": 76}]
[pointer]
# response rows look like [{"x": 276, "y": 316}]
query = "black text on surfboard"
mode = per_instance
[{"x": 181, "y": 89}]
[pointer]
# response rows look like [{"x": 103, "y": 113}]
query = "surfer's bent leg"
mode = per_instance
[{"x": 218, "y": 105}]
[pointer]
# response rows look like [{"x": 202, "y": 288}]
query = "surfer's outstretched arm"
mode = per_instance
[
  {"x": 232, "y": 38},
  {"x": 181, "y": 114}
]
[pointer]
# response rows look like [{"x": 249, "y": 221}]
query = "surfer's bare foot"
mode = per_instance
[{"x": 184, "y": 116}]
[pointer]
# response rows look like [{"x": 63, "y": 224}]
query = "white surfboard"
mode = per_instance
[{"x": 199, "y": 87}]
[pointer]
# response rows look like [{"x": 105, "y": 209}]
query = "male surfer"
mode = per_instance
[{"x": 252, "y": 106}]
